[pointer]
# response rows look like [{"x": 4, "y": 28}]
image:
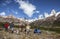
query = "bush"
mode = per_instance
[{"x": 1, "y": 24}]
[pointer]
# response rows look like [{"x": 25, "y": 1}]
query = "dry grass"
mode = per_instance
[{"x": 43, "y": 35}]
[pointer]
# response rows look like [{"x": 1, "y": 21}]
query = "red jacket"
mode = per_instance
[{"x": 6, "y": 25}]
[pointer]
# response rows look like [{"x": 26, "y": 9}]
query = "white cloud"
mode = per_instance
[
  {"x": 3, "y": 14},
  {"x": 16, "y": 12},
  {"x": 37, "y": 11},
  {"x": 27, "y": 7},
  {"x": 41, "y": 17}
]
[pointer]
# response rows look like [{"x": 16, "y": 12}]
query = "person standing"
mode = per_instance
[
  {"x": 6, "y": 26},
  {"x": 21, "y": 26},
  {"x": 11, "y": 26},
  {"x": 28, "y": 29}
]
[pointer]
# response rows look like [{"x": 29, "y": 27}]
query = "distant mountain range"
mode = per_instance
[
  {"x": 11, "y": 18},
  {"x": 53, "y": 20}
]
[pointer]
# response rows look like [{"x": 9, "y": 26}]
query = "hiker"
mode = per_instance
[
  {"x": 27, "y": 29},
  {"x": 37, "y": 31},
  {"x": 11, "y": 26},
  {"x": 21, "y": 26},
  {"x": 6, "y": 26}
]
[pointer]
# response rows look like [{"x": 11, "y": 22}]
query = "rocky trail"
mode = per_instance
[{"x": 31, "y": 35}]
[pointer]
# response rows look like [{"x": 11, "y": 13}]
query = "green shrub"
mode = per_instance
[{"x": 1, "y": 24}]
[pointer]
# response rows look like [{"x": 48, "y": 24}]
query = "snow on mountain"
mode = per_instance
[
  {"x": 53, "y": 13},
  {"x": 46, "y": 15},
  {"x": 57, "y": 14}
]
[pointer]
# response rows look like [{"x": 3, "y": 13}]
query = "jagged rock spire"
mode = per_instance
[{"x": 53, "y": 12}]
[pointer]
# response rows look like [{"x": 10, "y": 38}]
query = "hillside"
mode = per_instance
[
  {"x": 51, "y": 23},
  {"x": 50, "y": 20}
]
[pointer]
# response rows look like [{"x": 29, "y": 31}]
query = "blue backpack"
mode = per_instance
[{"x": 37, "y": 31}]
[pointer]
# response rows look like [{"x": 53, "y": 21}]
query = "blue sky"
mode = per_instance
[{"x": 29, "y": 9}]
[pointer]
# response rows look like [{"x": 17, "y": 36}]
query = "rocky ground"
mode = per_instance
[{"x": 21, "y": 35}]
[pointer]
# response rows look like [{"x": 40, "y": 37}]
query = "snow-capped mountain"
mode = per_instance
[
  {"x": 49, "y": 17},
  {"x": 52, "y": 19}
]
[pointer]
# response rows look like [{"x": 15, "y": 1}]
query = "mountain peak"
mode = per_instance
[{"x": 53, "y": 12}]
